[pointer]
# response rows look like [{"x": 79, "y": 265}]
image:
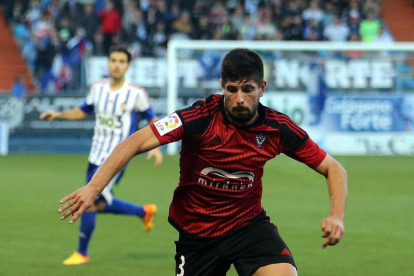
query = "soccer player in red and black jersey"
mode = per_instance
[{"x": 216, "y": 208}]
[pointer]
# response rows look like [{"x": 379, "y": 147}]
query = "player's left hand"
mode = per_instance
[
  {"x": 333, "y": 231},
  {"x": 79, "y": 201},
  {"x": 156, "y": 153}
]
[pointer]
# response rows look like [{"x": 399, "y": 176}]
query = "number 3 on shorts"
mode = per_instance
[{"x": 181, "y": 266}]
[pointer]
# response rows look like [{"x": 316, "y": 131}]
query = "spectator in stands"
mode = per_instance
[
  {"x": 354, "y": 25},
  {"x": 313, "y": 13},
  {"x": 110, "y": 23},
  {"x": 157, "y": 40},
  {"x": 89, "y": 21},
  {"x": 65, "y": 29},
  {"x": 137, "y": 28},
  {"x": 337, "y": 31},
  {"x": 183, "y": 24},
  {"x": 152, "y": 19},
  {"x": 369, "y": 28},
  {"x": 45, "y": 54},
  {"x": 383, "y": 36},
  {"x": 41, "y": 28},
  {"x": 53, "y": 10},
  {"x": 165, "y": 15},
  {"x": 34, "y": 12},
  {"x": 17, "y": 13},
  {"x": 267, "y": 28},
  {"x": 129, "y": 6},
  {"x": 247, "y": 30},
  {"x": 312, "y": 31},
  {"x": 292, "y": 28},
  {"x": 329, "y": 14},
  {"x": 18, "y": 90},
  {"x": 292, "y": 9},
  {"x": 227, "y": 28},
  {"x": 199, "y": 10},
  {"x": 371, "y": 6},
  {"x": 21, "y": 33},
  {"x": 237, "y": 17},
  {"x": 175, "y": 10},
  {"x": 353, "y": 10},
  {"x": 217, "y": 13},
  {"x": 98, "y": 46},
  {"x": 202, "y": 31},
  {"x": 72, "y": 9}
]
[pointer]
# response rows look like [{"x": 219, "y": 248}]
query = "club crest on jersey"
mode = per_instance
[
  {"x": 260, "y": 138},
  {"x": 168, "y": 124},
  {"x": 123, "y": 105}
]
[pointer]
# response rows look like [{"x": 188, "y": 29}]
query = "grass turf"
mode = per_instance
[{"x": 379, "y": 224}]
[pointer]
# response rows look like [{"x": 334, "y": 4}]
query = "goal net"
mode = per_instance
[{"x": 352, "y": 98}]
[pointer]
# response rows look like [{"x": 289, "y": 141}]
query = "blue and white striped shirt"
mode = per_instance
[{"x": 117, "y": 114}]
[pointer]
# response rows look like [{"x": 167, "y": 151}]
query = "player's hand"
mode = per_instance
[
  {"x": 156, "y": 153},
  {"x": 49, "y": 115},
  {"x": 79, "y": 201},
  {"x": 333, "y": 231}
]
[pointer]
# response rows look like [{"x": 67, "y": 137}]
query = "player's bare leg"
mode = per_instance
[{"x": 282, "y": 269}]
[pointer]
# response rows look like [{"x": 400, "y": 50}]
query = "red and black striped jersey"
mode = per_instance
[{"x": 221, "y": 165}]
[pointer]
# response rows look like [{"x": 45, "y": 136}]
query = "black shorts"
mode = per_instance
[{"x": 248, "y": 248}]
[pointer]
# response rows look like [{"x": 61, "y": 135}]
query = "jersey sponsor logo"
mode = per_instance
[
  {"x": 218, "y": 178},
  {"x": 260, "y": 138},
  {"x": 110, "y": 121},
  {"x": 168, "y": 124}
]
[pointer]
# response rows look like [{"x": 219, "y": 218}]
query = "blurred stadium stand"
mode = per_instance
[{"x": 54, "y": 36}]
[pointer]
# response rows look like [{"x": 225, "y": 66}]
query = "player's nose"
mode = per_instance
[{"x": 239, "y": 97}]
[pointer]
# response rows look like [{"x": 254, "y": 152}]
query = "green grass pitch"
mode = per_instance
[{"x": 379, "y": 237}]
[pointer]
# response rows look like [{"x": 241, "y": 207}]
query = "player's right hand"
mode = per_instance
[
  {"x": 333, "y": 231},
  {"x": 49, "y": 115},
  {"x": 79, "y": 201}
]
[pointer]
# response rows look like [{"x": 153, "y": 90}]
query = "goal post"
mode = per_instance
[{"x": 347, "y": 69}]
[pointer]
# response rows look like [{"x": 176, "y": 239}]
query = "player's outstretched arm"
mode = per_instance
[
  {"x": 156, "y": 153},
  {"x": 336, "y": 176},
  {"x": 83, "y": 198},
  {"x": 72, "y": 114}
]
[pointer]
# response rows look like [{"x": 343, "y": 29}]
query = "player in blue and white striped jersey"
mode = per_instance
[{"x": 117, "y": 105}]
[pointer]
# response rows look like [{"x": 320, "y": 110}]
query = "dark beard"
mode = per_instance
[{"x": 240, "y": 118}]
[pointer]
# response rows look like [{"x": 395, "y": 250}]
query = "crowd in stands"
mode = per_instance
[{"x": 59, "y": 33}]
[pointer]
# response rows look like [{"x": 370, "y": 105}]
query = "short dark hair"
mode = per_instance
[
  {"x": 120, "y": 48},
  {"x": 242, "y": 64}
]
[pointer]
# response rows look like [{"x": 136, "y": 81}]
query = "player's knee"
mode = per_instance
[{"x": 100, "y": 206}]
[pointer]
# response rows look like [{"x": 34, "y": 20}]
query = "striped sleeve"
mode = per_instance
[
  {"x": 310, "y": 154},
  {"x": 168, "y": 129},
  {"x": 193, "y": 120},
  {"x": 142, "y": 101},
  {"x": 295, "y": 141}
]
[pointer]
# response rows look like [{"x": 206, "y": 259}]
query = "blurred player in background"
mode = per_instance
[
  {"x": 216, "y": 208},
  {"x": 117, "y": 104}
]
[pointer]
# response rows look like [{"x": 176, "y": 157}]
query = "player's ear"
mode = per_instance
[
  {"x": 262, "y": 88},
  {"x": 222, "y": 85}
]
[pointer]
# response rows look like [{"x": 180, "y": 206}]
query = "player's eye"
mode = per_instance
[
  {"x": 248, "y": 89},
  {"x": 231, "y": 89}
]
